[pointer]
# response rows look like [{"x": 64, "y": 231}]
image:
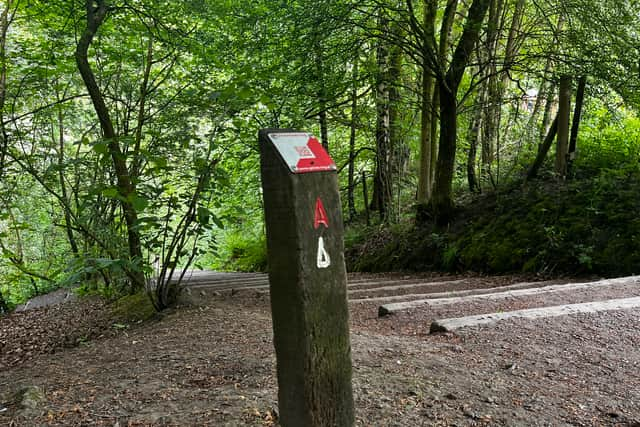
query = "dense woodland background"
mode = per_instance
[{"x": 492, "y": 135}]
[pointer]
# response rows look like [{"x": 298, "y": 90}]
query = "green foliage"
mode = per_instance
[
  {"x": 585, "y": 226},
  {"x": 188, "y": 85},
  {"x": 241, "y": 251},
  {"x": 609, "y": 139}
]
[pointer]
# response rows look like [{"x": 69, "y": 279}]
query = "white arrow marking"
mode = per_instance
[{"x": 323, "y": 260}]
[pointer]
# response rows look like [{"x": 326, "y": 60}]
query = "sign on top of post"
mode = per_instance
[{"x": 302, "y": 152}]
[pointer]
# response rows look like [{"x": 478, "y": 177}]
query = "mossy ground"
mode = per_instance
[
  {"x": 586, "y": 226},
  {"x": 134, "y": 308}
]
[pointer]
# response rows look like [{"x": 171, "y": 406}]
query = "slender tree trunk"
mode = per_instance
[
  {"x": 428, "y": 149},
  {"x": 446, "y": 29},
  {"x": 435, "y": 61},
  {"x": 382, "y": 192},
  {"x": 540, "y": 97},
  {"x": 426, "y": 115},
  {"x": 396, "y": 164},
  {"x": 352, "y": 144},
  {"x": 511, "y": 48},
  {"x": 435, "y": 126},
  {"x": 474, "y": 133},
  {"x": 475, "y": 126},
  {"x": 491, "y": 119},
  {"x": 549, "y": 108},
  {"x": 324, "y": 126},
  {"x": 63, "y": 187},
  {"x": 564, "y": 113},
  {"x": 365, "y": 197},
  {"x": 546, "y": 92},
  {"x": 575, "y": 126},
  {"x": 322, "y": 97},
  {"x": 6, "y": 17},
  {"x": 96, "y": 13},
  {"x": 427, "y": 108},
  {"x": 543, "y": 149}
]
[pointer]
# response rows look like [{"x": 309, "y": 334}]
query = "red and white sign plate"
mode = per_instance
[{"x": 302, "y": 152}]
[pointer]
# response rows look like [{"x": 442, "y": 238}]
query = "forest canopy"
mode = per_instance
[{"x": 128, "y": 128}]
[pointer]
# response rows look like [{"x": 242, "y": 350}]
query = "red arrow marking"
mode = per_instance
[
  {"x": 315, "y": 158},
  {"x": 320, "y": 216}
]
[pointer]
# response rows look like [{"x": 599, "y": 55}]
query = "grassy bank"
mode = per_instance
[{"x": 587, "y": 225}]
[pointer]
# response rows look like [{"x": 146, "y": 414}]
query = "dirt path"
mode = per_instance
[{"x": 214, "y": 365}]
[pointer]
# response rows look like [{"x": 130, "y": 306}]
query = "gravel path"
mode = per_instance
[{"x": 214, "y": 365}]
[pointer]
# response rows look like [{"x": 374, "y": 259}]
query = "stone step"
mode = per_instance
[
  {"x": 452, "y": 324},
  {"x": 502, "y": 293}
]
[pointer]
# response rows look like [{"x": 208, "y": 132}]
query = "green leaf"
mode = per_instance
[
  {"x": 101, "y": 147},
  {"x": 110, "y": 192},
  {"x": 217, "y": 221},
  {"x": 203, "y": 215},
  {"x": 139, "y": 203},
  {"x": 160, "y": 162}
]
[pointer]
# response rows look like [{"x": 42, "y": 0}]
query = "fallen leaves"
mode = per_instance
[{"x": 24, "y": 335}]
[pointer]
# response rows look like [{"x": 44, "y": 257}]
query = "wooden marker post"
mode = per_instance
[{"x": 307, "y": 278}]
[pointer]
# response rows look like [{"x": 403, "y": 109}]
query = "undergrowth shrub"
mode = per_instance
[{"x": 240, "y": 251}]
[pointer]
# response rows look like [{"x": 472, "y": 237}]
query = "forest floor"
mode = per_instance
[{"x": 214, "y": 364}]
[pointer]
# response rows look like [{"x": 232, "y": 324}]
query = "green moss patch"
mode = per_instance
[
  {"x": 582, "y": 227},
  {"x": 134, "y": 308}
]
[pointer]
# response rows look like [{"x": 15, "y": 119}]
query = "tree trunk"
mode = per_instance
[
  {"x": 96, "y": 13},
  {"x": 63, "y": 188},
  {"x": 442, "y": 199},
  {"x": 474, "y": 136},
  {"x": 575, "y": 125},
  {"x": 322, "y": 95},
  {"x": 512, "y": 40},
  {"x": 537, "y": 106},
  {"x": 6, "y": 17},
  {"x": 365, "y": 197},
  {"x": 324, "y": 127},
  {"x": 424, "y": 175},
  {"x": 397, "y": 158},
  {"x": 551, "y": 90},
  {"x": 352, "y": 145},
  {"x": 549, "y": 107},
  {"x": 446, "y": 30},
  {"x": 562, "y": 146},
  {"x": 427, "y": 108},
  {"x": 494, "y": 96},
  {"x": 382, "y": 192},
  {"x": 472, "y": 180},
  {"x": 543, "y": 150}
]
